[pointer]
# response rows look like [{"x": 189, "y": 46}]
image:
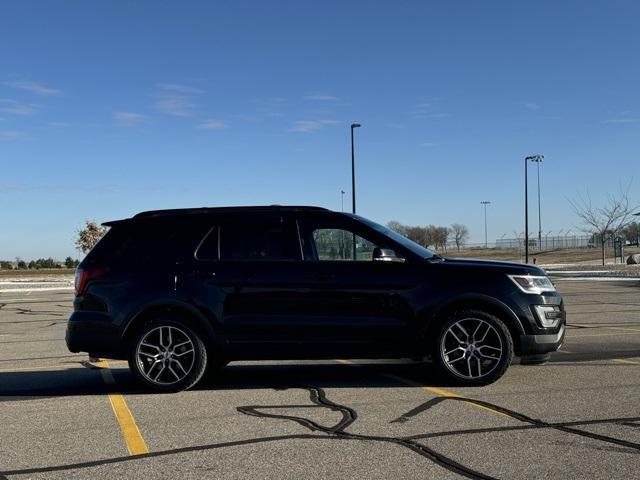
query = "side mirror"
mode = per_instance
[{"x": 386, "y": 255}]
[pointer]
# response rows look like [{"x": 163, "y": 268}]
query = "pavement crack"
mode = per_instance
[
  {"x": 349, "y": 416},
  {"x": 338, "y": 432},
  {"x": 563, "y": 427}
]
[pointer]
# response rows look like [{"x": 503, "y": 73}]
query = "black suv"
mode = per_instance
[{"x": 177, "y": 292}]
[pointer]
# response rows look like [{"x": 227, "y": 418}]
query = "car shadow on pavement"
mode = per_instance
[{"x": 83, "y": 378}]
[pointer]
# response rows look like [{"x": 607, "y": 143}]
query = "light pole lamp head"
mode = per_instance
[
  {"x": 535, "y": 158},
  {"x": 485, "y": 202},
  {"x": 355, "y": 125}
]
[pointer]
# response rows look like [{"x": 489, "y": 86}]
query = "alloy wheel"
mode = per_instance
[
  {"x": 165, "y": 355},
  {"x": 471, "y": 348}
]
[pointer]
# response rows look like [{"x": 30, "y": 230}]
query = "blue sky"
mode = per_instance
[{"x": 110, "y": 108}]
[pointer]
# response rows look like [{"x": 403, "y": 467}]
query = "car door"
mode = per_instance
[
  {"x": 258, "y": 284},
  {"x": 367, "y": 305}
]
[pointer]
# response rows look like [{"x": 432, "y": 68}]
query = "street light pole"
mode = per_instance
[
  {"x": 526, "y": 213},
  {"x": 485, "y": 203},
  {"x": 538, "y": 160},
  {"x": 342, "y": 200},
  {"x": 353, "y": 184},
  {"x": 532, "y": 158},
  {"x": 353, "y": 170}
]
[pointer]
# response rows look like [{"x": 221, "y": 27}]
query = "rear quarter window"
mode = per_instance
[{"x": 149, "y": 243}]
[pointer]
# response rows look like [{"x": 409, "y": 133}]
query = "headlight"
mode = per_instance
[{"x": 533, "y": 284}]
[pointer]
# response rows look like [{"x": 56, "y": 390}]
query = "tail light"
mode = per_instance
[{"x": 83, "y": 275}]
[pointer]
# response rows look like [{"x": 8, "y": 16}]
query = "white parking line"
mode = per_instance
[{"x": 44, "y": 289}]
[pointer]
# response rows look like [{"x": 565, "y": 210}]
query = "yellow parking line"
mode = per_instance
[
  {"x": 132, "y": 436},
  {"x": 46, "y": 367},
  {"x": 438, "y": 391},
  {"x": 622, "y": 360},
  {"x": 442, "y": 392}
]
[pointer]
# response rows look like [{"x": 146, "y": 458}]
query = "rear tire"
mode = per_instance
[
  {"x": 472, "y": 348},
  {"x": 167, "y": 355}
]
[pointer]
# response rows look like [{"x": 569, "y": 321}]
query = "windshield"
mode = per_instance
[{"x": 401, "y": 239}]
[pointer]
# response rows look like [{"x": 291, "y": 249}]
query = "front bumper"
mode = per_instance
[
  {"x": 95, "y": 333},
  {"x": 542, "y": 343}
]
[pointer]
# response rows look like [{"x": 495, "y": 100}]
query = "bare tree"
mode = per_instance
[
  {"x": 418, "y": 235},
  {"x": 442, "y": 236},
  {"x": 425, "y": 236},
  {"x": 460, "y": 234},
  {"x": 398, "y": 227},
  {"x": 605, "y": 221},
  {"x": 89, "y": 236}
]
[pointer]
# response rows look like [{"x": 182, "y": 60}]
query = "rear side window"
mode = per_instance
[
  {"x": 275, "y": 240},
  {"x": 149, "y": 242},
  {"x": 110, "y": 245}
]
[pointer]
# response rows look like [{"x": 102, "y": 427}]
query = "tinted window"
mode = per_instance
[
  {"x": 163, "y": 242},
  {"x": 273, "y": 240},
  {"x": 149, "y": 242},
  {"x": 109, "y": 245},
  {"x": 339, "y": 244},
  {"x": 208, "y": 249},
  {"x": 402, "y": 240}
]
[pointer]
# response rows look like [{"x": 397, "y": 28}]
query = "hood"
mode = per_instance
[{"x": 496, "y": 265}]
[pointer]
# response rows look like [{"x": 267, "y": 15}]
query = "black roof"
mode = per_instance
[{"x": 212, "y": 210}]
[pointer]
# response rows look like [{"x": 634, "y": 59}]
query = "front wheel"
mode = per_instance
[
  {"x": 472, "y": 348},
  {"x": 167, "y": 355}
]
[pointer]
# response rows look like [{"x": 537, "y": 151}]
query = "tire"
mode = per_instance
[
  {"x": 167, "y": 355},
  {"x": 477, "y": 361}
]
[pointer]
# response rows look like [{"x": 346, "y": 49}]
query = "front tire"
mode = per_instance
[
  {"x": 167, "y": 355},
  {"x": 472, "y": 348}
]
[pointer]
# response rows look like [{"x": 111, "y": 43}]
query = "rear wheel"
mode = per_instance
[
  {"x": 167, "y": 355},
  {"x": 472, "y": 348}
]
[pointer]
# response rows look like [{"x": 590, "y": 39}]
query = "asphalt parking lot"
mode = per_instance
[{"x": 575, "y": 417}]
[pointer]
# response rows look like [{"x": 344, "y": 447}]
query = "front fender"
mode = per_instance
[{"x": 473, "y": 300}]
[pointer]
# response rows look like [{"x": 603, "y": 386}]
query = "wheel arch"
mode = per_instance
[
  {"x": 485, "y": 303},
  {"x": 191, "y": 316}
]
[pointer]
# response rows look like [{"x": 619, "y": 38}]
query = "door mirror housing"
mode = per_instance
[{"x": 386, "y": 255}]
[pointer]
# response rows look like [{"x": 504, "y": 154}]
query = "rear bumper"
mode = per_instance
[
  {"x": 540, "y": 344},
  {"x": 95, "y": 333}
]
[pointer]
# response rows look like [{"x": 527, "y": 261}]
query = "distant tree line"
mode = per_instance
[
  {"x": 40, "y": 263},
  {"x": 433, "y": 236}
]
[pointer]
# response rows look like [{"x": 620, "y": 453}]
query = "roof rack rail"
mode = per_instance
[{"x": 204, "y": 210}]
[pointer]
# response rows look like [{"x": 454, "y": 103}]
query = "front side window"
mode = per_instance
[
  {"x": 263, "y": 241},
  {"x": 336, "y": 244}
]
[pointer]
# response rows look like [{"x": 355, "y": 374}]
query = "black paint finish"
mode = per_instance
[{"x": 290, "y": 309}]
